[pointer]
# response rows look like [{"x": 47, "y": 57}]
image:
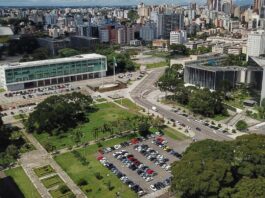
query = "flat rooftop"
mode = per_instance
[
  {"x": 81, "y": 57},
  {"x": 218, "y": 68}
]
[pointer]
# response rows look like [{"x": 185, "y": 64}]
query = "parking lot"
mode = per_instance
[{"x": 144, "y": 162}]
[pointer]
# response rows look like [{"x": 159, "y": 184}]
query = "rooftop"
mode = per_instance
[
  {"x": 218, "y": 68},
  {"x": 259, "y": 60},
  {"x": 54, "y": 61},
  {"x": 6, "y": 31}
]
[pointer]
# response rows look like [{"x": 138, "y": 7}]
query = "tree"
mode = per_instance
[
  {"x": 179, "y": 49},
  {"x": 57, "y": 114},
  {"x": 77, "y": 136},
  {"x": 241, "y": 125},
  {"x": 158, "y": 123},
  {"x": 133, "y": 15},
  {"x": 40, "y": 54},
  {"x": 12, "y": 150},
  {"x": 206, "y": 103},
  {"x": 221, "y": 169},
  {"x": 144, "y": 126},
  {"x": 67, "y": 52}
]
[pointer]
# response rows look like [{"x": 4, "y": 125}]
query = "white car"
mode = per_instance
[
  {"x": 153, "y": 188},
  {"x": 148, "y": 179},
  {"x": 118, "y": 146},
  {"x": 168, "y": 167}
]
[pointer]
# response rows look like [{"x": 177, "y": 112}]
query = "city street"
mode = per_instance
[{"x": 139, "y": 95}]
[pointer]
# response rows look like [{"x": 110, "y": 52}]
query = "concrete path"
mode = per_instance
[{"x": 40, "y": 157}]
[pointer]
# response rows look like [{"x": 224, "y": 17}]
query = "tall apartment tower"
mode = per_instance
[{"x": 256, "y": 43}]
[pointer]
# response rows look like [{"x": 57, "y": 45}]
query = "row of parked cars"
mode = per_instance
[
  {"x": 127, "y": 143},
  {"x": 135, "y": 187},
  {"x": 29, "y": 92},
  {"x": 134, "y": 164},
  {"x": 153, "y": 156},
  {"x": 162, "y": 143},
  {"x": 160, "y": 185}
]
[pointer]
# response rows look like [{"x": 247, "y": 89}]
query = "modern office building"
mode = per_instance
[
  {"x": 148, "y": 31},
  {"x": 83, "y": 42},
  {"x": 19, "y": 76},
  {"x": 212, "y": 77},
  {"x": 53, "y": 45},
  {"x": 169, "y": 22}
]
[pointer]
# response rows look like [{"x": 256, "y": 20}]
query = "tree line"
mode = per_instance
[
  {"x": 201, "y": 101},
  {"x": 222, "y": 169}
]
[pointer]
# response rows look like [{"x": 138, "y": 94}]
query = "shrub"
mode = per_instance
[
  {"x": 241, "y": 125},
  {"x": 98, "y": 176},
  {"x": 82, "y": 182},
  {"x": 63, "y": 189}
]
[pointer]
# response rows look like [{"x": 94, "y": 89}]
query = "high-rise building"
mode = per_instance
[
  {"x": 168, "y": 23},
  {"x": 178, "y": 37},
  {"x": 148, "y": 31},
  {"x": 256, "y": 43}
]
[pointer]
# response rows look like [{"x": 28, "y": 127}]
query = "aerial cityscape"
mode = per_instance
[{"x": 126, "y": 99}]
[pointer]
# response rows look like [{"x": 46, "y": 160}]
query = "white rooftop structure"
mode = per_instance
[
  {"x": 82, "y": 57},
  {"x": 6, "y": 31}
]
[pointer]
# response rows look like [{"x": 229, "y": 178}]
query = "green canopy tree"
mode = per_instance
[
  {"x": 221, "y": 169},
  {"x": 57, "y": 114}
]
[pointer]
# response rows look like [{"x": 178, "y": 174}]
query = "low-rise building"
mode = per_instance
[{"x": 19, "y": 76}]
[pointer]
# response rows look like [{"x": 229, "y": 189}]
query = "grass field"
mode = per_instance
[
  {"x": 2, "y": 90},
  {"x": 52, "y": 181},
  {"x": 43, "y": 171},
  {"x": 20, "y": 116},
  {"x": 155, "y": 65},
  {"x": 129, "y": 104},
  {"x": 57, "y": 194},
  {"x": 95, "y": 187},
  {"x": 106, "y": 112},
  {"x": 101, "y": 100},
  {"x": 23, "y": 182},
  {"x": 174, "y": 134},
  {"x": 219, "y": 117}
]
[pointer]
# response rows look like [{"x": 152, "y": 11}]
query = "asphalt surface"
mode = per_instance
[{"x": 147, "y": 86}]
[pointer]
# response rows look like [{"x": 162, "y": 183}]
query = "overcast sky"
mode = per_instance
[
  {"x": 100, "y": 2},
  {"x": 87, "y": 2}
]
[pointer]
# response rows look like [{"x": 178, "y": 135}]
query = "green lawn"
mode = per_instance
[
  {"x": 155, "y": 65},
  {"x": 52, "y": 181},
  {"x": 23, "y": 182},
  {"x": 95, "y": 187},
  {"x": 2, "y": 90},
  {"x": 101, "y": 100},
  {"x": 174, "y": 134},
  {"x": 238, "y": 97},
  {"x": 106, "y": 112},
  {"x": 57, "y": 194},
  {"x": 219, "y": 117},
  {"x": 20, "y": 116},
  {"x": 43, "y": 171},
  {"x": 129, "y": 104}
]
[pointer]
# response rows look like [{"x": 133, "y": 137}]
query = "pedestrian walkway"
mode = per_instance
[{"x": 40, "y": 157}]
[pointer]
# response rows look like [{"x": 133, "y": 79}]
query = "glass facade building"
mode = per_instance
[{"x": 53, "y": 71}]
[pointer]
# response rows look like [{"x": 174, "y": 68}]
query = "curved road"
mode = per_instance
[{"x": 147, "y": 86}]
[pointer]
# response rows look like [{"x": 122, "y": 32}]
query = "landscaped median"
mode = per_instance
[{"x": 93, "y": 178}]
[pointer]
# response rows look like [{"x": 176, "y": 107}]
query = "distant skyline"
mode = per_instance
[{"x": 98, "y": 2}]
